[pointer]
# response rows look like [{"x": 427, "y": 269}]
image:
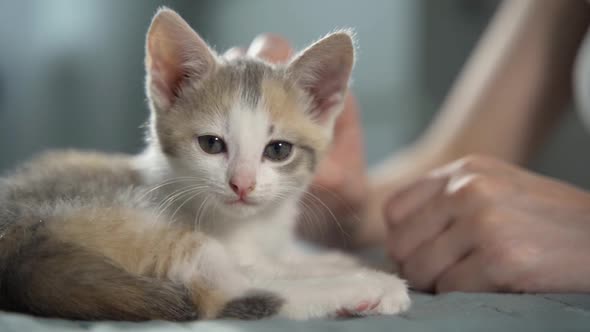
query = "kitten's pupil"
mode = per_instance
[
  {"x": 211, "y": 144},
  {"x": 278, "y": 150}
]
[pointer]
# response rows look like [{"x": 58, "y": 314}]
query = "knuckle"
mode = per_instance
[
  {"x": 468, "y": 186},
  {"x": 484, "y": 224},
  {"x": 397, "y": 250},
  {"x": 270, "y": 46},
  {"x": 507, "y": 268},
  {"x": 271, "y": 39},
  {"x": 473, "y": 162},
  {"x": 477, "y": 185}
]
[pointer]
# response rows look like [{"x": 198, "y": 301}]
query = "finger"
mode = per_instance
[
  {"x": 234, "y": 53},
  {"x": 420, "y": 228},
  {"x": 465, "y": 276},
  {"x": 343, "y": 170},
  {"x": 347, "y": 146},
  {"x": 409, "y": 200},
  {"x": 271, "y": 47},
  {"x": 433, "y": 258},
  {"x": 329, "y": 174},
  {"x": 474, "y": 164},
  {"x": 349, "y": 118}
]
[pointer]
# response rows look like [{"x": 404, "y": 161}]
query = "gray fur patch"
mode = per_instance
[
  {"x": 306, "y": 156},
  {"x": 255, "y": 305},
  {"x": 251, "y": 77}
]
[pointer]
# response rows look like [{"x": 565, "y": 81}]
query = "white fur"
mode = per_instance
[{"x": 213, "y": 265}]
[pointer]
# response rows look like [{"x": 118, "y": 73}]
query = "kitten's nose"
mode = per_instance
[{"x": 242, "y": 185}]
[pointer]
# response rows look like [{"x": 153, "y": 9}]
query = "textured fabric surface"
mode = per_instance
[{"x": 451, "y": 312}]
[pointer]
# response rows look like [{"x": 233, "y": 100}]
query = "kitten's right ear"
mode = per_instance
[
  {"x": 174, "y": 53},
  {"x": 323, "y": 70}
]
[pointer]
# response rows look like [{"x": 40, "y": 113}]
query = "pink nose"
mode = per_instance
[{"x": 242, "y": 185}]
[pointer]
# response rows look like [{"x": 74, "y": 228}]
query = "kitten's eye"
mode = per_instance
[
  {"x": 211, "y": 144},
  {"x": 278, "y": 150}
]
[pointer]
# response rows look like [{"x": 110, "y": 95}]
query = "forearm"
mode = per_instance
[
  {"x": 516, "y": 83},
  {"x": 510, "y": 93}
]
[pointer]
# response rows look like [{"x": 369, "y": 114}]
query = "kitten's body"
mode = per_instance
[{"x": 162, "y": 235}]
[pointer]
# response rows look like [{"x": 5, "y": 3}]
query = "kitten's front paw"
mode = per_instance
[
  {"x": 377, "y": 294},
  {"x": 363, "y": 293}
]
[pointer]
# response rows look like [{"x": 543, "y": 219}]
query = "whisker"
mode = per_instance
[
  {"x": 330, "y": 212},
  {"x": 197, "y": 223},
  {"x": 197, "y": 193},
  {"x": 320, "y": 225},
  {"x": 310, "y": 218},
  {"x": 176, "y": 195},
  {"x": 351, "y": 210},
  {"x": 166, "y": 183}
]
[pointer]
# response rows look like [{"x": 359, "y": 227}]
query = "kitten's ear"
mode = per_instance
[
  {"x": 323, "y": 70},
  {"x": 174, "y": 53}
]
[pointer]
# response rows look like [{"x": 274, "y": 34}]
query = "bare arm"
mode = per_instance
[{"x": 513, "y": 88}]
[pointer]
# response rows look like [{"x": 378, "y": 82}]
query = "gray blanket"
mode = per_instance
[{"x": 451, "y": 312}]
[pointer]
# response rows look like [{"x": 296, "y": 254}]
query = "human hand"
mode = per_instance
[
  {"x": 338, "y": 191},
  {"x": 479, "y": 224}
]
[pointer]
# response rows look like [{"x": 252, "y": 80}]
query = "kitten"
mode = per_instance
[{"x": 199, "y": 225}]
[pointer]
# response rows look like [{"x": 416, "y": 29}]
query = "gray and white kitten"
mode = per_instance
[{"x": 199, "y": 225}]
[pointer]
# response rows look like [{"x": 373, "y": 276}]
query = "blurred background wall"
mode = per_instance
[{"x": 71, "y": 72}]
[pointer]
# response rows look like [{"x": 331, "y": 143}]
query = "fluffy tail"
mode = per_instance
[{"x": 45, "y": 277}]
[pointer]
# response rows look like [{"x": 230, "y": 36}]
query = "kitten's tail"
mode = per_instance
[{"x": 46, "y": 277}]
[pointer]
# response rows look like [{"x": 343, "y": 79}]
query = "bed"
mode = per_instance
[{"x": 449, "y": 312}]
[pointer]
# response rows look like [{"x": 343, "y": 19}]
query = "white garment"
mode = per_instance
[{"x": 582, "y": 81}]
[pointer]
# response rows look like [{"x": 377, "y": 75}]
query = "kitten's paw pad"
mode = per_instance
[
  {"x": 384, "y": 294},
  {"x": 364, "y": 308}
]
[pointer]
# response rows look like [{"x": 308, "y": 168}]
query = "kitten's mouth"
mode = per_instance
[{"x": 240, "y": 201}]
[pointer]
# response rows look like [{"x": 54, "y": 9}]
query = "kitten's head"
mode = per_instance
[{"x": 252, "y": 132}]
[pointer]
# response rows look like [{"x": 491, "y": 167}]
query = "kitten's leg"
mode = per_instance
[
  {"x": 364, "y": 292},
  {"x": 299, "y": 268},
  {"x": 331, "y": 283},
  {"x": 298, "y": 262},
  {"x": 330, "y": 259}
]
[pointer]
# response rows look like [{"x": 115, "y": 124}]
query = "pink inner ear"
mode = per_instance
[
  {"x": 174, "y": 52},
  {"x": 323, "y": 71},
  {"x": 165, "y": 80},
  {"x": 327, "y": 92}
]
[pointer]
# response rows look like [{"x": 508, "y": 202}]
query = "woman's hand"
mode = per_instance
[
  {"x": 340, "y": 184},
  {"x": 338, "y": 192},
  {"x": 479, "y": 224}
]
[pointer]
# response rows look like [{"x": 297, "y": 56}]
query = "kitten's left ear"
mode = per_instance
[
  {"x": 174, "y": 53},
  {"x": 323, "y": 70}
]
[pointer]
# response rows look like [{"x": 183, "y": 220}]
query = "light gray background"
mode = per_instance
[{"x": 71, "y": 72}]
